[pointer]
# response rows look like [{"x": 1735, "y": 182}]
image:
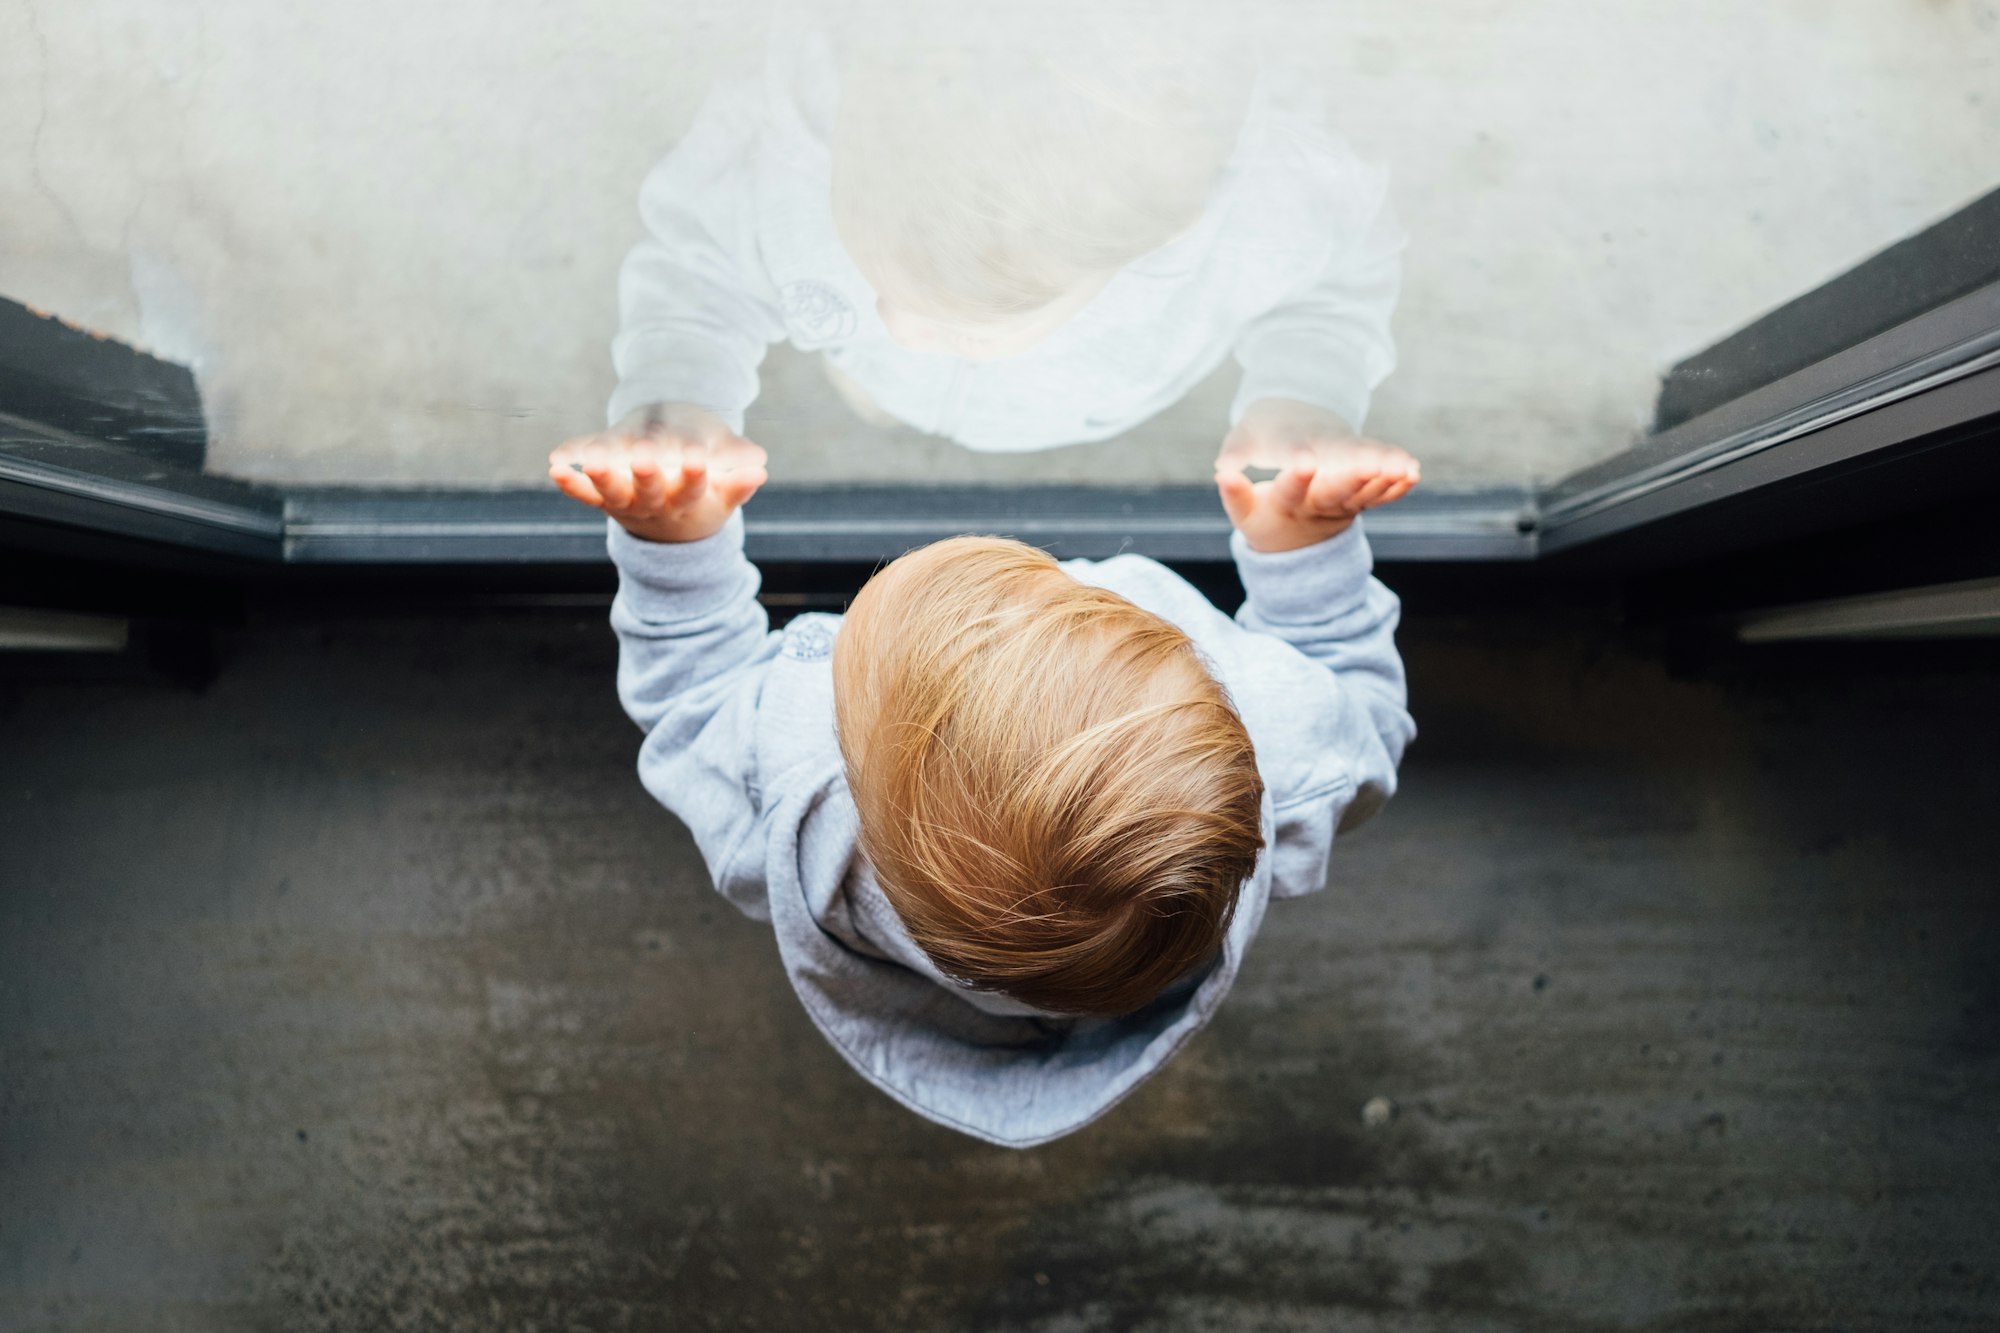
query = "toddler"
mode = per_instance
[
  {"x": 1014, "y": 822},
  {"x": 1015, "y": 231}
]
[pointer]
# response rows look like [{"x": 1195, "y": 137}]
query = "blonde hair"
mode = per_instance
[
  {"x": 996, "y": 158},
  {"x": 1055, "y": 794}
]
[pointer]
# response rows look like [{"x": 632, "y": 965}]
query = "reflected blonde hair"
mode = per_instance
[
  {"x": 1056, "y": 795},
  {"x": 991, "y": 159}
]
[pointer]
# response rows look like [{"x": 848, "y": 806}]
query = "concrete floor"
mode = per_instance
[
  {"x": 367, "y": 990},
  {"x": 387, "y": 236}
]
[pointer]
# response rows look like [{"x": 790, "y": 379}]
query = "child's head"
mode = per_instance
[
  {"x": 993, "y": 167},
  {"x": 1057, "y": 797}
]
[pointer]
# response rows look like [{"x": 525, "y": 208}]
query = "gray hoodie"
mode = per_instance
[{"x": 740, "y": 745}]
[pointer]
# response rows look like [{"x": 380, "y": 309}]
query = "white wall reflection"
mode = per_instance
[{"x": 389, "y": 237}]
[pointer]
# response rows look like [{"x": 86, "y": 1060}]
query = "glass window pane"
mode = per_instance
[{"x": 388, "y": 239}]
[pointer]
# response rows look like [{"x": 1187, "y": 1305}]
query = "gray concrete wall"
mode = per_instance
[{"x": 386, "y": 233}]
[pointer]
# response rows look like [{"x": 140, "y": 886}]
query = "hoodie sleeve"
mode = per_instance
[
  {"x": 1328, "y": 342},
  {"x": 693, "y": 648},
  {"x": 696, "y": 308},
  {"x": 1323, "y": 601}
]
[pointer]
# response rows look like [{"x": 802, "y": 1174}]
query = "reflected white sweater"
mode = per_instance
[{"x": 1294, "y": 267}]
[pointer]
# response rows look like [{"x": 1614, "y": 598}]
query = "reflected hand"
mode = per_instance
[
  {"x": 1278, "y": 432},
  {"x": 669, "y": 473},
  {"x": 1327, "y": 475}
]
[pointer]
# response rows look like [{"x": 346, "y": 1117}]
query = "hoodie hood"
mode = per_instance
[{"x": 982, "y": 1063}]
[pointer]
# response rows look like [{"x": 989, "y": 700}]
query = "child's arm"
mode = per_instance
[
  {"x": 1305, "y": 566},
  {"x": 697, "y": 310},
  {"x": 1326, "y": 346},
  {"x": 692, "y": 638}
]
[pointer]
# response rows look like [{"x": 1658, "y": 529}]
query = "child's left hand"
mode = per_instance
[
  {"x": 1327, "y": 475},
  {"x": 673, "y": 493}
]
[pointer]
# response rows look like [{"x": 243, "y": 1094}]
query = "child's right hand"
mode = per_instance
[
  {"x": 669, "y": 473},
  {"x": 1317, "y": 496}
]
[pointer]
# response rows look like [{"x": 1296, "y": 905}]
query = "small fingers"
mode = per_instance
[
  {"x": 575, "y": 485},
  {"x": 1364, "y": 458},
  {"x": 739, "y": 484},
  {"x": 571, "y": 451},
  {"x": 1333, "y": 493},
  {"x": 609, "y": 474},
  {"x": 1239, "y": 495},
  {"x": 1371, "y": 492},
  {"x": 1395, "y": 462},
  {"x": 1291, "y": 487},
  {"x": 649, "y": 482},
  {"x": 691, "y": 482}
]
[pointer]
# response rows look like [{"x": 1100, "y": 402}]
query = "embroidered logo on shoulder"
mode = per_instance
[
  {"x": 817, "y": 313},
  {"x": 808, "y": 639}
]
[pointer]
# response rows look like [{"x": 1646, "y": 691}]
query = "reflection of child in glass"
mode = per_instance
[
  {"x": 1013, "y": 235},
  {"x": 1013, "y": 822}
]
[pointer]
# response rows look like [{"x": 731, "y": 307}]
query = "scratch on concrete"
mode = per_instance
[{"x": 42, "y": 120}]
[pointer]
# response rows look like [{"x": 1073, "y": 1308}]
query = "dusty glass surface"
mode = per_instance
[{"x": 388, "y": 238}]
